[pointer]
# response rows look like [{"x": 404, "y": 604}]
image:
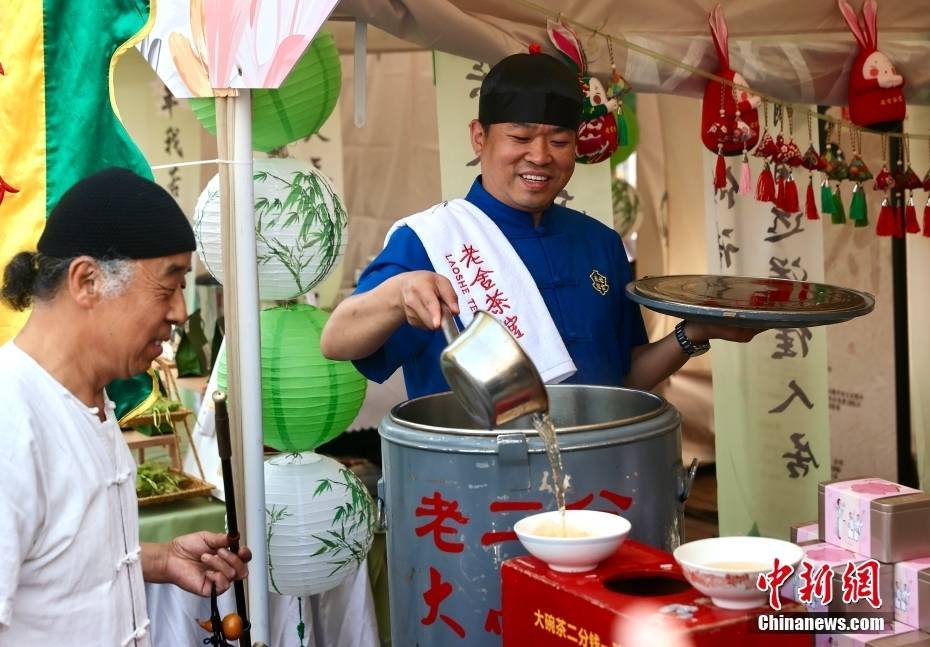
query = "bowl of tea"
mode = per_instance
[
  {"x": 726, "y": 568},
  {"x": 575, "y": 542}
]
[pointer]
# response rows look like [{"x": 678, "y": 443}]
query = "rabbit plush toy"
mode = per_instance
[
  {"x": 729, "y": 119},
  {"x": 876, "y": 90},
  {"x": 597, "y": 133}
]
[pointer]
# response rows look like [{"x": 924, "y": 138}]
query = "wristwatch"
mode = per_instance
[{"x": 688, "y": 347}]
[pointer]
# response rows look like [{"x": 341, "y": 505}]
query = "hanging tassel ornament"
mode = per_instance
[
  {"x": 300, "y": 623},
  {"x": 810, "y": 204},
  {"x": 720, "y": 170},
  {"x": 826, "y": 198},
  {"x": 618, "y": 88},
  {"x": 791, "y": 202},
  {"x": 911, "y": 225},
  {"x": 858, "y": 209},
  {"x": 886, "y": 225},
  {"x": 838, "y": 216},
  {"x": 765, "y": 185},
  {"x": 745, "y": 176}
]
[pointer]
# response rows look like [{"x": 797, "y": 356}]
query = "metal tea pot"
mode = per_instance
[{"x": 490, "y": 374}]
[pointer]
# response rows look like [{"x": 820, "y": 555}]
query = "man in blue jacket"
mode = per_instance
[{"x": 529, "y": 110}]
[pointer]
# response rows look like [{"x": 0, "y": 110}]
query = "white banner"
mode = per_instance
[{"x": 771, "y": 408}]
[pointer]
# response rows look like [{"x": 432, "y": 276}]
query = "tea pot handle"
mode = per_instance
[{"x": 449, "y": 328}]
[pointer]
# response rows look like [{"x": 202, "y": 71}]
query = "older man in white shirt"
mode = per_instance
[{"x": 105, "y": 287}]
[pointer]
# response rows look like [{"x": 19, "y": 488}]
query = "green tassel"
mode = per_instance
[
  {"x": 826, "y": 199},
  {"x": 623, "y": 131},
  {"x": 858, "y": 209},
  {"x": 838, "y": 215}
]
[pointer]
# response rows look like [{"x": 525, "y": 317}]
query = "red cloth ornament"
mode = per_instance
[
  {"x": 911, "y": 180},
  {"x": 793, "y": 155},
  {"x": 780, "y": 156},
  {"x": 535, "y": 48},
  {"x": 926, "y": 182},
  {"x": 735, "y": 133},
  {"x": 790, "y": 202},
  {"x": 884, "y": 181},
  {"x": 597, "y": 132},
  {"x": 876, "y": 90},
  {"x": 766, "y": 147}
]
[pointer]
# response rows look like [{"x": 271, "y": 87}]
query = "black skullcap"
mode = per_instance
[
  {"x": 116, "y": 213},
  {"x": 532, "y": 89}
]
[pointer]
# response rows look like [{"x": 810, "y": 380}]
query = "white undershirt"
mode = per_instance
[{"x": 69, "y": 530}]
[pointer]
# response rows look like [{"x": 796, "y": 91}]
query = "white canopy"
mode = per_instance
[{"x": 796, "y": 51}]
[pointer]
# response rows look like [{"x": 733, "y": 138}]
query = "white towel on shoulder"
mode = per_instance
[{"x": 466, "y": 247}]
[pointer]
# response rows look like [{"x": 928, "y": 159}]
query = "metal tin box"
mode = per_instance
[
  {"x": 807, "y": 531},
  {"x": 875, "y": 517},
  {"x": 912, "y": 592}
]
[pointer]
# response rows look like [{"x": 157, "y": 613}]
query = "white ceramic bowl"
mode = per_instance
[
  {"x": 605, "y": 532},
  {"x": 726, "y": 568}
]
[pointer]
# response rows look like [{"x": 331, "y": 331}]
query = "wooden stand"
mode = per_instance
[{"x": 139, "y": 442}]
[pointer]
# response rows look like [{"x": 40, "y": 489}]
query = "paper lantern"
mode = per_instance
[
  {"x": 306, "y": 398},
  {"x": 300, "y": 226},
  {"x": 320, "y": 523},
  {"x": 299, "y": 107}
]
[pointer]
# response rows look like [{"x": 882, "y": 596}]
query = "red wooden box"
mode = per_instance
[{"x": 637, "y": 598}]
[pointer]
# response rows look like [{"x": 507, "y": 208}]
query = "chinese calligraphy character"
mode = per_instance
[
  {"x": 796, "y": 392},
  {"x": 771, "y": 580},
  {"x": 800, "y": 458},
  {"x": 815, "y": 583},
  {"x": 443, "y": 511},
  {"x": 511, "y": 323},
  {"x": 496, "y": 303},
  {"x": 439, "y": 591},
  {"x": 783, "y": 219},
  {"x": 168, "y": 102},
  {"x": 785, "y": 347},
  {"x": 861, "y": 583},
  {"x": 492, "y": 623},
  {"x": 565, "y": 196},
  {"x": 483, "y": 279},
  {"x": 174, "y": 184},
  {"x": 539, "y": 619},
  {"x": 781, "y": 268},
  {"x": 173, "y": 141},
  {"x": 477, "y": 74},
  {"x": 469, "y": 256},
  {"x": 726, "y": 248},
  {"x": 560, "y": 627}
]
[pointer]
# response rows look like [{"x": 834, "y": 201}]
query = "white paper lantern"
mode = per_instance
[
  {"x": 300, "y": 226},
  {"x": 320, "y": 523}
]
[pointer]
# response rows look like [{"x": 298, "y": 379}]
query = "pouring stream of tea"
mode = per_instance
[{"x": 546, "y": 431}]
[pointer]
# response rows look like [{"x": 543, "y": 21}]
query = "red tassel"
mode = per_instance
[
  {"x": 927, "y": 220},
  {"x": 765, "y": 186},
  {"x": 811, "y": 203},
  {"x": 720, "y": 173},
  {"x": 885, "y": 226},
  {"x": 792, "y": 204},
  {"x": 913, "y": 227}
]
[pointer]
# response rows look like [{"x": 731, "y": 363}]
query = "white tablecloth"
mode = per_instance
[{"x": 344, "y": 616}]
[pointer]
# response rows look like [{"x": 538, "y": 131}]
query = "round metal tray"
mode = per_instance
[{"x": 749, "y": 302}]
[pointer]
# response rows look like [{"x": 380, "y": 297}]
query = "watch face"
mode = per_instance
[{"x": 751, "y": 302}]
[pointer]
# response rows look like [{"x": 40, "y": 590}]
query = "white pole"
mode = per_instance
[
  {"x": 361, "y": 67},
  {"x": 250, "y": 365}
]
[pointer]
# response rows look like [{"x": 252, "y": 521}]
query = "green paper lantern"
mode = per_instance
[
  {"x": 632, "y": 131},
  {"x": 299, "y": 107},
  {"x": 307, "y": 399}
]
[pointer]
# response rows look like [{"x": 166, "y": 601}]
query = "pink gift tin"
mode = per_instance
[
  {"x": 819, "y": 553},
  {"x": 808, "y": 531},
  {"x": 912, "y": 592},
  {"x": 875, "y": 517}
]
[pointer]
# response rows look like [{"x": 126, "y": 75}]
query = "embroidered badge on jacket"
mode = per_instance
[{"x": 599, "y": 281}]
